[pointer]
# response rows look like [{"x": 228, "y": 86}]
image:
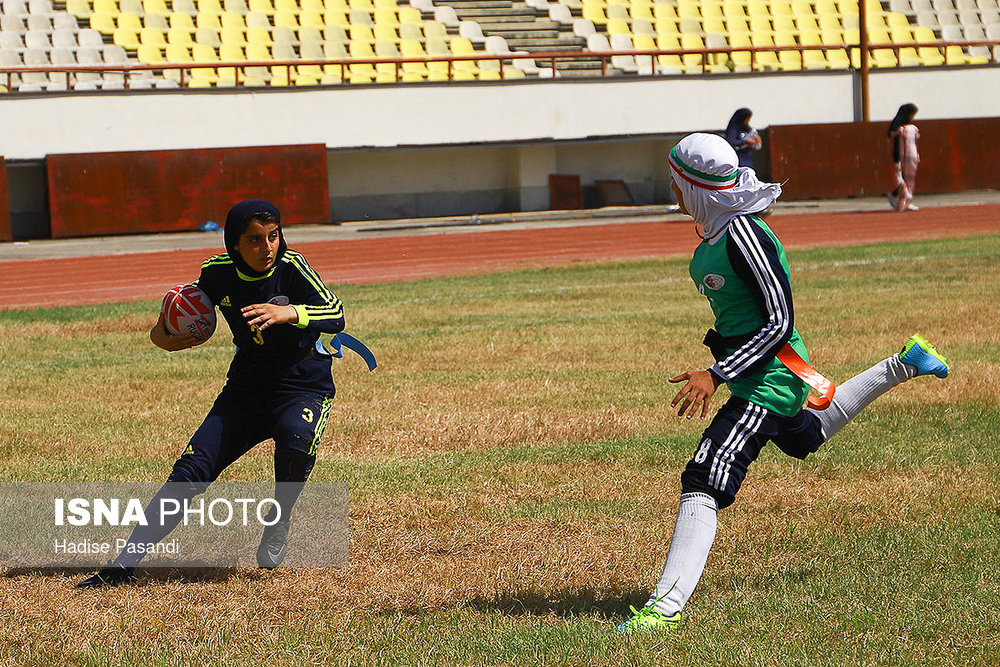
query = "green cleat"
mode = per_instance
[
  {"x": 648, "y": 619},
  {"x": 919, "y": 353}
]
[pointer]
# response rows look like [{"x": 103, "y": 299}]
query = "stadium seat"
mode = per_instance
[
  {"x": 815, "y": 59},
  {"x": 766, "y": 60},
  {"x": 669, "y": 63}
]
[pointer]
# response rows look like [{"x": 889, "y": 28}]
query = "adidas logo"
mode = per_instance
[{"x": 225, "y": 302}]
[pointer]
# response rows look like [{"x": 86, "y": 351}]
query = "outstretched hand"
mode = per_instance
[{"x": 697, "y": 392}]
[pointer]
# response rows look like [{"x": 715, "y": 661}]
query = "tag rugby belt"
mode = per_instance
[{"x": 789, "y": 357}]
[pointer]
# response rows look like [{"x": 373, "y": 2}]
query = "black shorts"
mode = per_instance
[
  {"x": 240, "y": 420},
  {"x": 733, "y": 441}
]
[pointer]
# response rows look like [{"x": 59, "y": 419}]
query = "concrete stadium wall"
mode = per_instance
[{"x": 468, "y": 113}]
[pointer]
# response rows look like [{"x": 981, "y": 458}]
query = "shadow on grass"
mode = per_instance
[
  {"x": 147, "y": 576},
  {"x": 608, "y": 604}
]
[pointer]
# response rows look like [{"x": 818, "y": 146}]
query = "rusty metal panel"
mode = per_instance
[
  {"x": 855, "y": 159},
  {"x": 173, "y": 190},
  {"x": 5, "y": 231}
]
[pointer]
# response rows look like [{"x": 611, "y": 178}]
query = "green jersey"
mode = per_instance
[{"x": 744, "y": 274}]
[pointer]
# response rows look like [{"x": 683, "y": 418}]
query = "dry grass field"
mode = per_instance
[{"x": 514, "y": 471}]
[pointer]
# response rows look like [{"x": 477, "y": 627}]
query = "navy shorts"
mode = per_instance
[
  {"x": 733, "y": 441},
  {"x": 240, "y": 420}
]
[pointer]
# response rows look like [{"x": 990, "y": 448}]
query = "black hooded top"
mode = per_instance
[
  {"x": 283, "y": 355},
  {"x": 239, "y": 218},
  {"x": 737, "y": 133}
]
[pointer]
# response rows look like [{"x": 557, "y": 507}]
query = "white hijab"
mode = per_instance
[{"x": 715, "y": 189}]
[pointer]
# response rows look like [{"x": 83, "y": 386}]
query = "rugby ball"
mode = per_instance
[{"x": 188, "y": 310}]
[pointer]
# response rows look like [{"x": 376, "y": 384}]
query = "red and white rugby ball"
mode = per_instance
[{"x": 188, "y": 310}]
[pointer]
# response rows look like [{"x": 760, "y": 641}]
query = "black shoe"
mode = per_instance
[
  {"x": 111, "y": 575},
  {"x": 273, "y": 545}
]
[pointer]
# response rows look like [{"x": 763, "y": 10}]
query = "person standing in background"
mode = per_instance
[
  {"x": 742, "y": 137},
  {"x": 904, "y": 135}
]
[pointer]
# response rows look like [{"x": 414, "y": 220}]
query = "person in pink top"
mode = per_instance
[{"x": 904, "y": 135}]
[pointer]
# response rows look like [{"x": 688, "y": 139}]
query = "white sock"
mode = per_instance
[
  {"x": 854, "y": 395},
  {"x": 693, "y": 536}
]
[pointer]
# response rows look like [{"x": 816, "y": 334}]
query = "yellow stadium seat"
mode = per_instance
[
  {"x": 688, "y": 9},
  {"x": 897, "y": 20},
  {"x": 286, "y": 18},
  {"x": 741, "y": 60},
  {"x": 618, "y": 27},
  {"x": 802, "y": 8},
  {"x": 838, "y": 59},
  {"x": 767, "y": 60},
  {"x": 409, "y": 14},
  {"x": 781, "y": 8},
  {"x": 785, "y": 23},
  {"x": 826, "y": 7},
  {"x": 104, "y": 23},
  {"x": 126, "y": 38},
  {"x": 669, "y": 62},
  {"x": 311, "y": 18},
  {"x": 813, "y": 59},
  {"x": 149, "y": 54},
  {"x": 361, "y": 33},
  {"x": 128, "y": 21},
  {"x": 666, "y": 26},
  {"x": 790, "y": 60},
  {"x": 734, "y": 9},
  {"x": 641, "y": 11},
  {"x": 711, "y": 8},
  {"x": 385, "y": 32},
  {"x": 594, "y": 13},
  {"x": 881, "y": 57},
  {"x": 259, "y": 36},
  {"x": 760, "y": 24},
  {"x": 214, "y": 6},
  {"x": 385, "y": 16},
  {"x": 152, "y": 36},
  {"x": 714, "y": 24},
  {"x": 313, "y": 5},
  {"x": 181, "y": 21},
  {"x": 232, "y": 20},
  {"x": 232, "y": 36},
  {"x": 414, "y": 71},
  {"x": 178, "y": 53},
  {"x": 929, "y": 55},
  {"x": 208, "y": 20},
  {"x": 663, "y": 10},
  {"x": 367, "y": 5},
  {"x": 335, "y": 17},
  {"x": 106, "y": 7},
  {"x": 737, "y": 26},
  {"x": 265, "y": 6},
  {"x": 179, "y": 36}
]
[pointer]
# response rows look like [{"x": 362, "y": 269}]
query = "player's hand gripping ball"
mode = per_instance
[{"x": 188, "y": 310}]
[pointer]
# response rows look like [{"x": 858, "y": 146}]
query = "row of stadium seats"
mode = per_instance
[{"x": 197, "y": 31}]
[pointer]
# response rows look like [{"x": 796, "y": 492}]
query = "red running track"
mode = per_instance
[{"x": 128, "y": 277}]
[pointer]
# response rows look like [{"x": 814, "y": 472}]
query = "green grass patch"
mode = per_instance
[{"x": 514, "y": 470}]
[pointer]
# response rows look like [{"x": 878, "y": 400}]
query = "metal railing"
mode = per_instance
[{"x": 349, "y": 70}]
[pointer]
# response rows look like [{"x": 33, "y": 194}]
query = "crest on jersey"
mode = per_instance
[
  {"x": 714, "y": 281},
  {"x": 280, "y": 300}
]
